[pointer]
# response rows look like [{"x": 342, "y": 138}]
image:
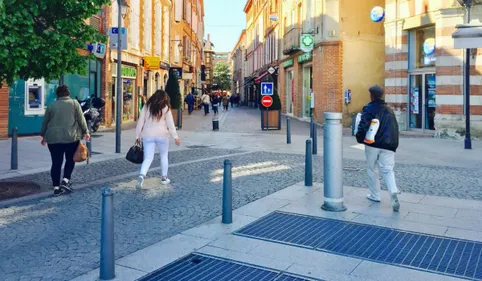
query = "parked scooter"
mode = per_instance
[{"x": 92, "y": 109}]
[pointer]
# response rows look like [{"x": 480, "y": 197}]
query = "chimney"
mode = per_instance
[{"x": 209, "y": 40}]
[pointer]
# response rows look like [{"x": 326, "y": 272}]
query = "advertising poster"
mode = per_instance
[
  {"x": 431, "y": 91},
  {"x": 414, "y": 100}
]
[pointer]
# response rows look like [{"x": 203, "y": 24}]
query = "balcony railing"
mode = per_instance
[{"x": 291, "y": 41}]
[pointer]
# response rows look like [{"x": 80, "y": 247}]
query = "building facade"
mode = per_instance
[
  {"x": 424, "y": 73},
  {"x": 187, "y": 36},
  {"x": 335, "y": 71},
  {"x": 262, "y": 50},
  {"x": 208, "y": 62},
  {"x": 238, "y": 56},
  {"x": 23, "y": 103}
]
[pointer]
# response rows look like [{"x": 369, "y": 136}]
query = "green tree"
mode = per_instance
[
  {"x": 222, "y": 75},
  {"x": 41, "y": 38},
  {"x": 173, "y": 90}
]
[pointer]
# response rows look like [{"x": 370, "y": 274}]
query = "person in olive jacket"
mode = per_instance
[
  {"x": 62, "y": 129},
  {"x": 380, "y": 153}
]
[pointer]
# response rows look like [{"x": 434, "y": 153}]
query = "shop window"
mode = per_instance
[
  {"x": 34, "y": 97},
  {"x": 422, "y": 47}
]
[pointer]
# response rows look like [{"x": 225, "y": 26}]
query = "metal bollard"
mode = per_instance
[
  {"x": 288, "y": 130},
  {"x": 308, "y": 164},
  {"x": 107, "y": 256},
  {"x": 315, "y": 140},
  {"x": 227, "y": 217},
  {"x": 333, "y": 162},
  {"x": 89, "y": 143},
  {"x": 311, "y": 126},
  {"x": 14, "y": 152},
  {"x": 215, "y": 124}
]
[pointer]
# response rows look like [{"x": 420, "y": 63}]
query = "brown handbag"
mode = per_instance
[{"x": 81, "y": 153}]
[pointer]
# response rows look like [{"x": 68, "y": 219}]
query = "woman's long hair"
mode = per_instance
[{"x": 156, "y": 103}]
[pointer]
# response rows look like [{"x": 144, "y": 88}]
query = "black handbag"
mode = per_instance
[{"x": 136, "y": 154}]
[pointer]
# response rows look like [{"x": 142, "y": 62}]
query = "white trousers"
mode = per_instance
[
  {"x": 149, "y": 145},
  {"x": 385, "y": 161}
]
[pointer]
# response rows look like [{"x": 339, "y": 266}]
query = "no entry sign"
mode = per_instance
[{"x": 266, "y": 101}]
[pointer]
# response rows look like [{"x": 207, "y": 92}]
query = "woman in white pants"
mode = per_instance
[{"x": 154, "y": 127}]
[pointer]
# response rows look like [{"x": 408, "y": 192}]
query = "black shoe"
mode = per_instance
[
  {"x": 66, "y": 186},
  {"x": 58, "y": 191}
]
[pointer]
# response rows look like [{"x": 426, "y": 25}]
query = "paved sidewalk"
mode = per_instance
[{"x": 434, "y": 216}]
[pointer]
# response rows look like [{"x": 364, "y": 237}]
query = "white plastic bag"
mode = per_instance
[{"x": 357, "y": 122}]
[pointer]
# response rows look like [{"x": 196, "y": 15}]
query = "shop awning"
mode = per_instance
[{"x": 258, "y": 80}]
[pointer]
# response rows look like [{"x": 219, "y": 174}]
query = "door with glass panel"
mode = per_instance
[{"x": 422, "y": 102}]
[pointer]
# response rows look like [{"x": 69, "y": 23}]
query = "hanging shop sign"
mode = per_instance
[
  {"x": 164, "y": 65},
  {"x": 177, "y": 71},
  {"x": 307, "y": 42},
  {"x": 152, "y": 63},
  {"x": 377, "y": 14}
]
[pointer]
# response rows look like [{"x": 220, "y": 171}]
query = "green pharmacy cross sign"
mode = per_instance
[{"x": 307, "y": 42}]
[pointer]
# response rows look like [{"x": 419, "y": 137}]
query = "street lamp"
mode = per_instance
[{"x": 123, "y": 8}]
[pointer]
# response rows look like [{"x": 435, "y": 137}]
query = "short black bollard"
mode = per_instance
[
  {"x": 215, "y": 124},
  {"x": 107, "y": 256},
  {"x": 288, "y": 130},
  {"x": 14, "y": 152},
  {"x": 308, "y": 164},
  {"x": 315, "y": 140},
  {"x": 227, "y": 194}
]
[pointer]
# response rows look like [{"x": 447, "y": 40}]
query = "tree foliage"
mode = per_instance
[
  {"x": 222, "y": 75},
  {"x": 41, "y": 38},
  {"x": 173, "y": 90}
]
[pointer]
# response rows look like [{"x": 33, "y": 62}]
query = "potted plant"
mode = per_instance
[
  {"x": 174, "y": 92},
  {"x": 271, "y": 116}
]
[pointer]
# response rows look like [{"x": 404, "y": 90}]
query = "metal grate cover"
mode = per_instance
[
  {"x": 197, "y": 267},
  {"x": 448, "y": 256}
]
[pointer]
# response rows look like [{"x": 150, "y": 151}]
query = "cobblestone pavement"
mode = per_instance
[{"x": 58, "y": 238}]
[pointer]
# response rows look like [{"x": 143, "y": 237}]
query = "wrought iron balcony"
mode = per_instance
[{"x": 291, "y": 41}]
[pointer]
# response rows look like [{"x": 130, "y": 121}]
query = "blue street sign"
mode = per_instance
[
  {"x": 267, "y": 88},
  {"x": 115, "y": 30}
]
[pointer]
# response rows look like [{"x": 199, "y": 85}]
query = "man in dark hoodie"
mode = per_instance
[{"x": 381, "y": 152}]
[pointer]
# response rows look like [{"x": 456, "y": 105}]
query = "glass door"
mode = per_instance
[
  {"x": 422, "y": 105},
  {"x": 307, "y": 86},
  {"x": 289, "y": 89}
]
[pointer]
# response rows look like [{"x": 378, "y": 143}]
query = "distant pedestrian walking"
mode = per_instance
[
  {"x": 154, "y": 127},
  {"x": 206, "y": 100},
  {"x": 62, "y": 129},
  {"x": 380, "y": 145},
  {"x": 215, "y": 103},
  {"x": 190, "y": 102},
  {"x": 226, "y": 102}
]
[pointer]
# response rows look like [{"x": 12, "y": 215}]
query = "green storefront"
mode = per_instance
[{"x": 29, "y": 99}]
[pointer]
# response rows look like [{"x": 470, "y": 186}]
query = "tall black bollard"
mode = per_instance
[
  {"x": 308, "y": 164},
  {"x": 288, "y": 130},
  {"x": 315, "y": 140},
  {"x": 227, "y": 194},
  {"x": 107, "y": 256},
  {"x": 14, "y": 152},
  {"x": 89, "y": 143},
  {"x": 311, "y": 126}
]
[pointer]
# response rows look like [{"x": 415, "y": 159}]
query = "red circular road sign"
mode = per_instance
[{"x": 267, "y": 101}]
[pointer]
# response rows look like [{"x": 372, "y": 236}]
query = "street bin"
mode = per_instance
[{"x": 215, "y": 124}]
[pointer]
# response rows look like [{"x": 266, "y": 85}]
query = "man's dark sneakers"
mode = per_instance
[
  {"x": 58, "y": 191},
  {"x": 66, "y": 186}
]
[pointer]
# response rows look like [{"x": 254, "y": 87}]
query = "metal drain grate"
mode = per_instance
[
  {"x": 448, "y": 256},
  {"x": 13, "y": 189},
  {"x": 200, "y": 267}
]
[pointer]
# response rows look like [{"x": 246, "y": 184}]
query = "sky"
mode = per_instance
[{"x": 224, "y": 20}]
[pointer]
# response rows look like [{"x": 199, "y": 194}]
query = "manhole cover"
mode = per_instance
[
  {"x": 197, "y": 146},
  {"x": 15, "y": 189}
]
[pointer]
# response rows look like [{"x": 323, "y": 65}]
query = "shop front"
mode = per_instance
[
  {"x": 129, "y": 89},
  {"x": 28, "y": 100},
  {"x": 289, "y": 86}
]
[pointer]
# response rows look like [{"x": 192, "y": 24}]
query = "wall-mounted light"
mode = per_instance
[{"x": 124, "y": 8}]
